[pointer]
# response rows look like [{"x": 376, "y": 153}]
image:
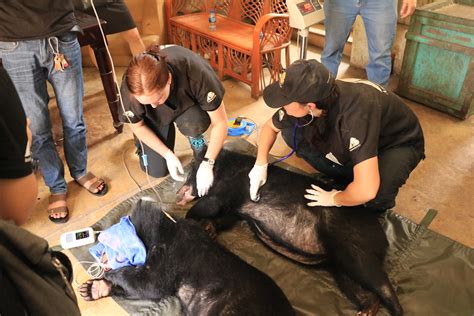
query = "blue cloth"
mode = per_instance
[
  {"x": 380, "y": 21},
  {"x": 30, "y": 64},
  {"x": 121, "y": 244}
]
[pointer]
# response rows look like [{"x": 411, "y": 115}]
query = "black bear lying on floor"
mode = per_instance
[
  {"x": 349, "y": 239},
  {"x": 183, "y": 261}
]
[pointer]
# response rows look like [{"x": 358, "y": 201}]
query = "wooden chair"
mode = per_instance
[{"x": 250, "y": 36}]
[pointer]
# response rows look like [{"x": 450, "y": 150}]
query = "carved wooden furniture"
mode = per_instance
[{"x": 250, "y": 36}]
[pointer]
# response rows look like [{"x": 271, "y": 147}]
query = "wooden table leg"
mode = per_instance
[
  {"x": 220, "y": 61},
  {"x": 107, "y": 77}
]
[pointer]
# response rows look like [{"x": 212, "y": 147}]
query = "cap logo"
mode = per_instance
[{"x": 282, "y": 77}]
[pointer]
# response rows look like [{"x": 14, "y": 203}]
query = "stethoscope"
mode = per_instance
[{"x": 294, "y": 138}]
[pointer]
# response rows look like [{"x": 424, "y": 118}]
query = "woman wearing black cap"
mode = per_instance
[{"x": 354, "y": 131}]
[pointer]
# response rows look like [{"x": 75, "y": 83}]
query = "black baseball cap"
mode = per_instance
[{"x": 303, "y": 81}]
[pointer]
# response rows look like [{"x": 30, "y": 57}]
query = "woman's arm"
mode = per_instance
[
  {"x": 362, "y": 189},
  {"x": 218, "y": 131},
  {"x": 266, "y": 141},
  {"x": 258, "y": 174},
  {"x": 365, "y": 185},
  {"x": 146, "y": 135}
]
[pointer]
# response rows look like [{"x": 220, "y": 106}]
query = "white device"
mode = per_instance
[
  {"x": 77, "y": 238},
  {"x": 304, "y": 13}
]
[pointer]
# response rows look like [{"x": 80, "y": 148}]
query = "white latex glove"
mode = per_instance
[
  {"x": 321, "y": 197},
  {"x": 204, "y": 178},
  {"x": 174, "y": 166},
  {"x": 258, "y": 177}
]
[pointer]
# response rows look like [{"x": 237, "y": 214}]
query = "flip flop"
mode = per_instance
[
  {"x": 88, "y": 183},
  {"x": 59, "y": 209}
]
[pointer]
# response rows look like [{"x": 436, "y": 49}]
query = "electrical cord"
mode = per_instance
[
  {"x": 144, "y": 158},
  {"x": 128, "y": 171},
  {"x": 96, "y": 270}
]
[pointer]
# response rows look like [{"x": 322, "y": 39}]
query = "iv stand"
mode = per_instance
[{"x": 303, "y": 40}]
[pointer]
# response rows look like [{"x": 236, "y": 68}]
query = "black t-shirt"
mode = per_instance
[
  {"x": 10, "y": 300},
  {"x": 15, "y": 160},
  {"x": 35, "y": 19},
  {"x": 367, "y": 120},
  {"x": 194, "y": 83}
]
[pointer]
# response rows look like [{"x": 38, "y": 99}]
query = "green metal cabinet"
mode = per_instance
[{"x": 438, "y": 63}]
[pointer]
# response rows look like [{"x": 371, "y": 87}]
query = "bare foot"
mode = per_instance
[
  {"x": 57, "y": 208},
  {"x": 92, "y": 290}
]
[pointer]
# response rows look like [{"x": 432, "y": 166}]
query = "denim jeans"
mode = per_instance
[
  {"x": 380, "y": 21},
  {"x": 395, "y": 166},
  {"x": 30, "y": 64}
]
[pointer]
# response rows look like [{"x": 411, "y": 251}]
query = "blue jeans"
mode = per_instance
[
  {"x": 30, "y": 64},
  {"x": 380, "y": 21}
]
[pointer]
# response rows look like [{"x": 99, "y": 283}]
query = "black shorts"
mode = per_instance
[
  {"x": 192, "y": 123},
  {"x": 117, "y": 15}
]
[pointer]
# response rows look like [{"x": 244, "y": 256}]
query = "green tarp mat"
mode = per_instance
[{"x": 433, "y": 274}]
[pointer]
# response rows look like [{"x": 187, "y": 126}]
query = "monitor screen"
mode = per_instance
[
  {"x": 305, "y": 7},
  {"x": 82, "y": 235}
]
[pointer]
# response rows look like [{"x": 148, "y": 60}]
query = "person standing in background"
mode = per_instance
[
  {"x": 119, "y": 20},
  {"x": 380, "y": 21},
  {"x": 46, "y": 49}
]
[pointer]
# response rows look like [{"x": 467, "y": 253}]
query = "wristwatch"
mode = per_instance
[{"x": 210, "y": 161}]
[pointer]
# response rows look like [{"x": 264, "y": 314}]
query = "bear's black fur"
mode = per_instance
[
  {"x": 183, "y": 261},
  {"x": 349, "y": 239}
]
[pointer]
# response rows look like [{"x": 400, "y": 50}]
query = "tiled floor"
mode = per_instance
[{"x": 444, "y": 181}]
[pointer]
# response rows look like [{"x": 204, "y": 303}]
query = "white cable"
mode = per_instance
[
  {"x": 128, "y": 171},
  {"x": 123, "y": 109},
  {"x": 96, "y": 270}
]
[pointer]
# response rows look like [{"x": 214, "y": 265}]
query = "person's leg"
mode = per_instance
[
  {"x": 25, "y": 61},
  {"x": 340, "y": 16},
  {"x": 380, "y": 21},
  {"x": 134, "y": 41},
  {"x": 119, "y": 21},
  {"x": 294, "y": 138},
  {"x": 68, "y": 88},
  {"x": 192, "y": 124},
  {"x": 156, "y": 164},
  {"x": 395, "y": 166}
]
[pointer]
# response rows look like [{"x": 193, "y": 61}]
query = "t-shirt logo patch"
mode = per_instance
[
  {"x": 281, "y": 114},
  {"x": 210, "y": 96},
  {"x": 354, "y": 143},
  {"x": 129, "y": 114},
  {"x": 333, "y": 158}
]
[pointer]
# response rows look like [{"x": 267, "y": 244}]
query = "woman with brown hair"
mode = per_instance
[{"x": 174, "y": 85}]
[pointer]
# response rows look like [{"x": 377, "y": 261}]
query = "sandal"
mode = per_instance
[
  {"x": 61, "y": 209},
  {"x": 92, "y": 184}
]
